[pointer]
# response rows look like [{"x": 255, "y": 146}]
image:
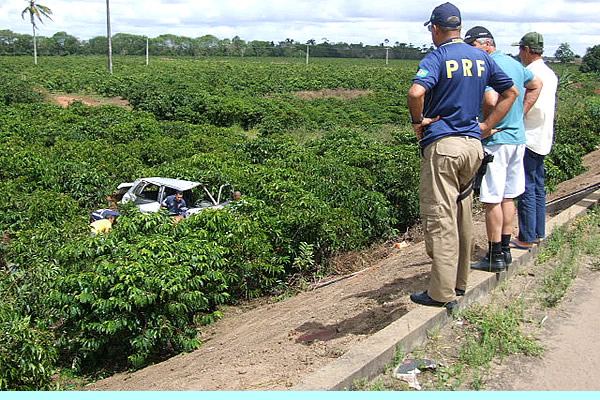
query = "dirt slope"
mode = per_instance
[{"x": 271, "y": 346}]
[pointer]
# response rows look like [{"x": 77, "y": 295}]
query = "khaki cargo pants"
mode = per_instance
[{"x": 446, "y": 166}]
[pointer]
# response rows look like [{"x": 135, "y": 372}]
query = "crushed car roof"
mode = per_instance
[{"x": 177, "y": 184}]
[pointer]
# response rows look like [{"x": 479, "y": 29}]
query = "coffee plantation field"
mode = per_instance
[{"x": 323, "y": 153}]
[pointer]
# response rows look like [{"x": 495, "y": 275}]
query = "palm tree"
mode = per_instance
[{"x": 36, "y": 11}]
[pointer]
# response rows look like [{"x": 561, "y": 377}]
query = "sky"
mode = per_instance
[{"x": 352, "y": 21}]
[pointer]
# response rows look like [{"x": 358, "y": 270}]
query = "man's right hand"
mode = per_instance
[
  {"x": 420, "y": 128},
  {"x": 486, "y": 131}
]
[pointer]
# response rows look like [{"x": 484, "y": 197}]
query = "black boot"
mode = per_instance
[
  {"x": 507, "y": 256},
  {"x": 506, "y": 249},
  {"x": 493, "y": 261}
]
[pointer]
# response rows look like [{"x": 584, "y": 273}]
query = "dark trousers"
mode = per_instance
[{"x": 532, "y": 203}]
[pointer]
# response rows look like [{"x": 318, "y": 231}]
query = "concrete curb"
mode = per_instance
[{"x": 371, "y": 357}]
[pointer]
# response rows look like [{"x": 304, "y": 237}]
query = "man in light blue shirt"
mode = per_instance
[{"x": 505, "y": 176}]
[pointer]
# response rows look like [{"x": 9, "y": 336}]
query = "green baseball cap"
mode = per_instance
[{"x": 533, "y": 40}]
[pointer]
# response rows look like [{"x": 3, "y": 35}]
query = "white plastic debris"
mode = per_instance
[{"x": 408, "y": 370}]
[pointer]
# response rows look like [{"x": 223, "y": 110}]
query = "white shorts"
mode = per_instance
[{"x": 505, "y": 176}]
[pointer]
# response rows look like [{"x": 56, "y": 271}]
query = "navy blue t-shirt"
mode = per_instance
[
  {"x": 172, "y": 205},
  {"x": 455, "y": 76}
]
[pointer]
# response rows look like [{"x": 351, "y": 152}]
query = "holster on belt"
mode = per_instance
[{"x": 474, "y": 184}]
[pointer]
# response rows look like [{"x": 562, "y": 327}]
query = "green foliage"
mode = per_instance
[
  {"x": 489, "y": 332},
  {"x": 565, "y": 80},
  {"x": 304, "y": 261},
  {"x": 591, "y": 60},
  {"x": 576, "y": 126},
  {"x": 244, "y": 93},
  {"x": 563, "y": 163},
  {"x": 575, "y": 123},
  {"x": 137, "y": 294},
  {"x": 494, "y": 333},
  {"x": 14, "y": 90},
  {"x": 577, "y": 130},
  {"x": 592, "y": 111},
  {"x": 27, "y": 354}
]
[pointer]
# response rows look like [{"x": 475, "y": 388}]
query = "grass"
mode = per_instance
[
  {"x": 489, "y": 332},
  {"x": 486, "y": 335},
  {"x": 384, "y": 382},
  {"x": 566, "y": 248},
  {"x": 495, "y": 331}
]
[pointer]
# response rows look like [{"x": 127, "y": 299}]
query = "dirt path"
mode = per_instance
[
  {"x": 273, "y": 345},
  {"x": 64, "y": 100},
  {"x": 573, "y": 362},
  {"x": 572, "y": 358}
]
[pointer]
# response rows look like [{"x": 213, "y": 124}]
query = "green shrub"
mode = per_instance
[
  {"x": 14, "y": 90},
  {"x": 576, "y": 122},
  {"x": 591, "y": 60},
  {"x": 138, "y": 294},
  {"x": 27, "y": 354},
  {"x": 563, "y": 163}
]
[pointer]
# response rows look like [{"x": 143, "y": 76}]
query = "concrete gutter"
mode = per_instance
[{"x": 370, "y": 357}]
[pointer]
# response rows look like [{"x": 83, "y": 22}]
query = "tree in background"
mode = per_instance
[
  {"x": 10, "y": 42},
  {"x": 564, "y": 54},
  {"x": 591, "y": 60},
  {"x": 126, "y": 44},
  {"x": 61, "y": 43},
  {"x": 36, "y": 11},
  {"x": 238, "y": 45},
  {"x": 97, "y": 45}
]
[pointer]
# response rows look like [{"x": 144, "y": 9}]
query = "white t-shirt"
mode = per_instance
[{"x": 539, "y": 121}]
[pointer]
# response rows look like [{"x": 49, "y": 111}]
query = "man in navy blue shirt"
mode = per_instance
[
  {"x": 444, "y": 103},
  {"x": 175, "y": 204}
]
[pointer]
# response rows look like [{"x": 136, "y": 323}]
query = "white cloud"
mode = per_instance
[{"x": 370, "y": 22}]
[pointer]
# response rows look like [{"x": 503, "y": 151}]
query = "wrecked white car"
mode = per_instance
[{"x": 149, "y": 193}]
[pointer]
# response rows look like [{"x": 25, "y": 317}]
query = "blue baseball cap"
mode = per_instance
[
  {"x": 445, "y": 15},
  {"x": 110, "y": 212}
]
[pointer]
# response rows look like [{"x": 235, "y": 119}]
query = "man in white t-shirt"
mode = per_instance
[{"x": 539, "y": 132}]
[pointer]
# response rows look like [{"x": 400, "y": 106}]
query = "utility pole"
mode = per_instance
[
  {"x": 387, "y": 51},
  {"x": 307, "y": 47},
  {"x": 109, "y": 37},
  {"x": 147, "y": 51}
]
